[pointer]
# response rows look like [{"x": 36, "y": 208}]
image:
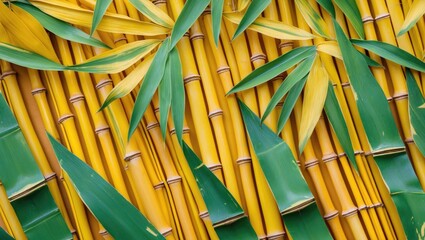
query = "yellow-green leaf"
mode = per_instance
[
  {"x": 417, "y": 9},
  {"x": 315, "y": 91},
  {"x": 115, "y": 23},
  {"x": 313, "y": 19},
  {"x": 152, "y": 12}
]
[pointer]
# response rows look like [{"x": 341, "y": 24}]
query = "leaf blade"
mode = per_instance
[
  {"x": 417, "y": 9},
  {"x": 99, "y": 10},
  {"x": 254, "y": 10},
  {"x": 152, "y": 12},
  {"x": 349, "y": 8},
  {"x": 178, "y": 103},
  {"x": 216, "y": 13},
  {"x": 313, "y": 19}
]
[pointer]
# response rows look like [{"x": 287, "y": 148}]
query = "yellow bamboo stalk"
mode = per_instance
[
  {"x": 4, "y": 222},
  {"x": 7, "y": 209}
]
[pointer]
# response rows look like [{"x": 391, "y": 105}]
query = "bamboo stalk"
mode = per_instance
[{"x": 10, "y": 214}]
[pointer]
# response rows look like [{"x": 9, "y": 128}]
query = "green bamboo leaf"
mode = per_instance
[
  {"x": 273, "y": 68},
  {"x": 391, "y": 53},
  {"x": 27, "y": 59},
  {"x": 165, "y": 94},
  {"x": 349, "y": 8},
  {"x": 410, "y": 206},
  {"x": 121, "y": 219},
  {"x": 99, "y": 10},
  {"x": 284, "y": 177},
  {"x": 416, "y": 112},
  {"x": 216, "y": 12},
  {"x": 4, "y": 235},
  {"x": 293, "y": 78},
  {"x": 289, "y": 103},
  {"x": 191, "y": 11},
  {"x": 61, "y": 28},
  {"x": 178, "y": 102},
  {"x": 149, "y": 85},
  {"x": 313, "y": 19},
  {"x": 152, "y": 12},
  {"x": 254, "y": 10},
  {"x": 334, "y": 114},
  {"x": 372, "y": 104},
  {"x": 225, "y": 213},
  {"x": 328, "y": 6},
  {"x": 416, "y": 11},
  {"x": 117, "y": 59}
]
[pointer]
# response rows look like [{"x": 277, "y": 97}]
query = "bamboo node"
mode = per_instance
[
  {"x": 286, "y": 44},
  {"x": 103, "y": 83},
  {"x": 311, "y": 163},
  {"x": 190, "y": 78},
  {"x": 132, "y": 155},
  {"x": 186, "y": 130},
  {"x": 157, "y": 2},
  {"x": 7, "y": 73},
  {"x": 156, "y": 110},
  {"x": 382, "y": 16},
  {"x": 214, "y": 167},
  {"x": 367, "y": 19},
  {"x": 400, "y": 96},
  {"x": 278, "y": 77},
  {"x": 103, "y": 233},
  {"x": 101, "y": 129},
  {"x": 346, "y": 84},
  {"x": 50, "y": 176},
  {"x": 243, "y": 160},
  {"x": 38, "y": 90},
  {"x": 278, "y": 235},
  {"x": 197, "y": 36},
  {"x": 76, "y": 98},
  {"x": 159, "y": 185},
  {"x": 215, "y": 113},
  {"x": 173, "y": 180},
  {"x": 343, "y": 154},
  {"x": 408, "y": 140},
  {"x": 329, "y": 157},
  {"x": 377, "y": 205},
  {"x": 358, "y": 152},
  {"x": 120, "y": 39},
  {"x": 206, "y": 11},
  {"x": 223, "y": 69},
  {"x": 362, "y": 207},
  {"x": 349, "y": 212},
  {"x": 151, "y": 126},
  {"x": 258, "y": 56},
  {"x": 186, "y": 34},
  {"x": 64, "y": 117},
  {"x": 166, "y": 232},
  {"x": 204, "y": 214},
  {"x": 331, "y": 215},
  {"x": 366, "y": 154},
  {"x": 279, "y": 104}
]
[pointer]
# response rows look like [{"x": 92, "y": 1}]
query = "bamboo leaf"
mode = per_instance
[
  {"x": 99, "y": 10},
  {"x": 117, "y": 59},
  {"x": 27, "y": 59},
  {"x": 254, "y": 10},
  {"x": 152, "y": 12},
  {"x": 272, "y": 28},
  {"x": 225, "y": 213},
  {"x": 178, "y": 102},
  {"x": 349, "y": 8},
  {"x": 372, "y": 104},
  {"x": 149, "y": 85},
  {"x": 4, "y": 235},
  {"x": 216, "y": 12},
  {"x": 126, "y": 85},
  {"x": 191, "y": 11},
  {"x": 416, "y": 112},
  {"x": 391, "y": 53},
  {"x": 122, "y": 220},
  {"x": 293, "y": 78},
  {"x": 313, "y": 19},
  {"x": 165, "y": 95},
  {"x": 416, "y": 11},
  {"x": 273, "y": 68},
  {"x": 111, "y": 22},
  {"x": 315, "y": 92},
  {"x": 60, "y": 28},
  {"x": 328, "y": 6},
  {"x": 289, "y": 103},
  {"x": 25, "y": 31},
  {"x": 334, "y": 114}
]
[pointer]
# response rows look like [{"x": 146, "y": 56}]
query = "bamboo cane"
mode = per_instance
[{"x": 15, "y": 226}]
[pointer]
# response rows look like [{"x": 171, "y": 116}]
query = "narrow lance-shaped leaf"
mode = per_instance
[
  {"x": 165, "y": 96},
  {"x": 416, "y": 11},
  {"x": 391, "y": 53},
  {"x": 216, "y": 12},
  {"x": 191, "y": 11},
  {"x": 315, "y": 92},
  {"x": 4, "y": 235},
  {"x": 60, "y": 28},
  {"x": 178, "y": 102},
  {"x": 416, "y": 112},
  {"x": 225, "y": 213},
  {"x": 99, "y": 10},
  {"x": 334, "y": 114},
  {"x": 313, "y": 19},
  {"x": 117, "y": 59},
  {"x": 293, "y": 78},
  {"x": 149, "y": 85},
  {"x": 254, "y": 10},
  {"x": 273, "y": 68},
  {"x": 328, "y": 6},
  {"x": 121, "y": 219},
  {"x": 152, "y": 12},
  {"x": 349, "y": 8}
]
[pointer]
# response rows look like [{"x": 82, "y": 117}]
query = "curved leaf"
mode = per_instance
[
  {"x": 352, "y": 13},
  {"x": 122, "y": 220},
  {"x": 254, "y": 10},
  {"x": 149, "y": 85},
  {"x": 328, "y": 6},
  {"x": 416, "y": 11},
  {"x": 191, "y": 11},
  {"x": 99, "y": 10},
  {"x": 216, "y": 13},
  {"x": 152, "y": 12},
  {"x": 391, "y": 53},
  {"x": 313, "y": 19},
  {"x": 273, "y": 68},
  {"x": 272, "y": 28},
  {"x": 165, "y": 94},
  {"x": 60, "y": 28},
  {"x": 177, "y": 85},
  {"x": 117, "y": 59}
]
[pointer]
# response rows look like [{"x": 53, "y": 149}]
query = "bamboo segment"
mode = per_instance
[{"x": 10, "y": 214}]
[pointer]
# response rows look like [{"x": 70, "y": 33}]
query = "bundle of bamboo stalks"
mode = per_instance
[{"x": 274, "y": 119}]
